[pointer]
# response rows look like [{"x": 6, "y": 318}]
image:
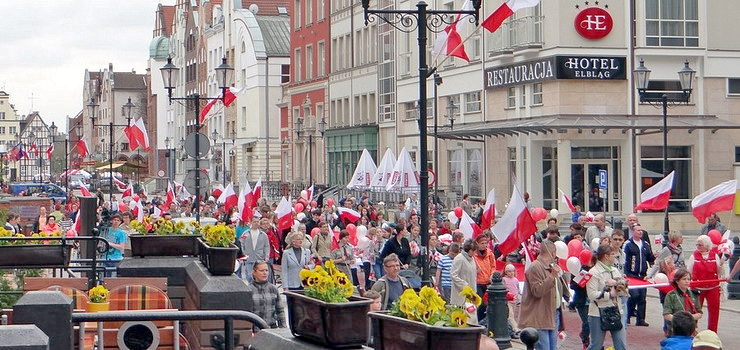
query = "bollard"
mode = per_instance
[
  {"x": 529, "y": 337},
  {"x": 498, "y": 312}
]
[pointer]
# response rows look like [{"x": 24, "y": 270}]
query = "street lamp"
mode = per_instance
[
  {"x": 435, "y": 21},
  {"x": 451, "y": 111},
  {"x": 127, "y": 106},
  {"x": 437, "y": 83},
  {"x": 170, "y": 76},
  {"x": 641, "y": 75},
  {"x": 170, "y": 157},
  {"x": 214, "y": 136}
]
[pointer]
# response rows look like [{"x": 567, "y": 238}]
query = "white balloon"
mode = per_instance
[
  {"x": 660, "y": 278},
  {"x": 452, "y": 217},
  {"x": 574, "y": 265},
  {"x": 595, "y": 243},
  {"x": 300, "y": 216},
  {"x": 554, "y": 212},
  {"x": 361, "y": 231},
  {"x": 304, "y": 194},
  {"x": 561, "y": 250}
]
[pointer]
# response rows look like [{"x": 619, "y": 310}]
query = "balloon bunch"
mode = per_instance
[
  {"x": 723, "y": 242},
  {"x": 573, "y": 255}
]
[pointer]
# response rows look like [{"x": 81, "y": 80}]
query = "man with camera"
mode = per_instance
[{"x": 638, "y": 256}]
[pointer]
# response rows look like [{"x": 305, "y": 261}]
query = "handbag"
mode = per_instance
[{"x": 611, "y": 319}]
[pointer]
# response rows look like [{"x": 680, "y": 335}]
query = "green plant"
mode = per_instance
[{"x": 11, "y": 289}]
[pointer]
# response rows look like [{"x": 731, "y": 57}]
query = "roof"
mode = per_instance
[
  {"x": 159, "y": 47},
  {"x": 168, "y": 15},
  {"x": 128, "y": 80},
  {"x": 276, "y": 34},
  {"x": 267, "y": 7},
  {"x": 561, "y": 123}
]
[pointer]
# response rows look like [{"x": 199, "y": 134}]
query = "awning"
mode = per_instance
[
  {"x": 583, "y": 123},
  {"x": 107, "y": 166}
]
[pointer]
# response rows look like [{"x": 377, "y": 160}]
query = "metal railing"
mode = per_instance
[
  {"x": 228, "y": 316},
  {"x": 518, "y": 33}
]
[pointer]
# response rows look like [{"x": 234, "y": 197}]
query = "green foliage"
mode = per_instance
[{"x": 11, "y": 289}]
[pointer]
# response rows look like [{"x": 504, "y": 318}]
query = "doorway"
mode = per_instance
[{"x": 585, "y": 186}]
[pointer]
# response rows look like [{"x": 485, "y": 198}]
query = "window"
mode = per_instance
[
  {"x": 474, "y": 172},
  {"x": 12, "y": 130},
  {"x": 285, "y": 73},
  {"x": 297, "y": 64},
  {"x": 2, "y": 130},
  {"x": 679, "y": 160},
  {"x": 536, "y": 98},
  {"x": 549, "y": 177},
  {"x": 309, "y": 62},
  {"x": 321, "y": 71},
  {"x": 472, "y": 102},
  {"x": 672, "y": 23},
  {"x": 511, "y": 97},
  {"x": 297, "y": 14},
  {"x": 455, "y": 169},
  {"x": 319, "y": 112},
  {"x": 309, "y": 14},
  {"x": 409, "y": 110},
  {"x": 475, "y": 49},
  {"x": 2, "y": 115},
  {"x": 512, "y": 167},
  {"x": 319, "y": 10},
  {"x": 523, "y": 96},
  {"x": 737, "y": 154},
  {"x": 733, "y": 87},
  {"x": 244, "y": 118}
]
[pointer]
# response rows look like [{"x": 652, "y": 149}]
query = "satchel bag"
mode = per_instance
[{"x": 611, "y": 319}]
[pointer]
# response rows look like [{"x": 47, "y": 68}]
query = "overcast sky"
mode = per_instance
[{"x": 46, "y": 46}]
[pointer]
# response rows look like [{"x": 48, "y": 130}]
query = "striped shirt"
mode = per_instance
[{"x": 445, "y": 266}]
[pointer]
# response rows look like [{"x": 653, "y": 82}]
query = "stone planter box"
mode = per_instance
[
  {"x": 334, "y": 325},
  {"x": 35, "y": 255},
  {"x": 396, "y": 333},
  {"x": 164, "y": 245}
]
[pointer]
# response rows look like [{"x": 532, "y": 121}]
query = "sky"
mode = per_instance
[{"x": 46, "y": 46}]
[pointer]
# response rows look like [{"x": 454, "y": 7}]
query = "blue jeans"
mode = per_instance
[
  {"x": 549, "y": 337},
  {"x": 378, "y": 269},
  {"x": 597, "y": 335}
]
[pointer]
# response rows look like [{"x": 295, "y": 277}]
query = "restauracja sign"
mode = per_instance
[{"x": 556, "y": 67}]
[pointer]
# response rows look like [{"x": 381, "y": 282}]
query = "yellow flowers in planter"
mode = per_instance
[
  {"x": 219, "y": 235},
  {"x": 327, "y": 284},
  {"x": 40, "y": 235},
  {"x": 160, "y": 226},
  {"x": 428, "y": 306},
  {"x": 98, "y": 294}
]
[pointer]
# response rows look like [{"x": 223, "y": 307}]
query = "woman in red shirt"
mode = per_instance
[{"x": 705, "y": 264}]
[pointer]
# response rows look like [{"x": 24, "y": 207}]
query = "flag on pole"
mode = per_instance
[
  {"x": 142, "y": 137},
  {"x": 489, "y": 211},
  {"x": 131, "y": 135},
  {"x": 128, "y": 192},
  {"x": 283, "y": 212},
  {"x": 257, "y": 192},
  {"x": 228, "y": 198},
  {"x": 716, "y": 199},
  {"x": 50, "y": 150},
  {"x": 656, "y": 197},
  {"x": 82, "y": 148},
  {"x": 217, "y": 191},
  {"x": 566, "y": 201},
  {"x": 468, "y": 227},
  {"x": 309, "y": 193},
  {"x": 85, "y": 191},
  {"x": 348, "y": 215},
  {"x": 516, "y": 225},
  {"x": 494, "y": 21},
  {"x": 245, "y": 203},
  {"x": 78, "y": 222},
  {"x": 170, "y": 196}
]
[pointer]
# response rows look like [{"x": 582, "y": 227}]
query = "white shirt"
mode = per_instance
[{"x": 254, "y": 234}]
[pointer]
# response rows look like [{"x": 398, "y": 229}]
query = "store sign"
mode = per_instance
[
  {"x": 593, "y": 23},
  {"x": 556, "y": 67}
]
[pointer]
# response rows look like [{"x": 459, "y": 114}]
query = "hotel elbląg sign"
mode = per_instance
[{"x": 556, "y": 67}]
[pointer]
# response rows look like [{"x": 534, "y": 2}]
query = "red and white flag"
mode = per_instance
[
  {"x": 138, "y": 211},
  {"x": 528, "y": 257},
  {"x": 718, "y": 198},
  {"x": 489, "y": 211},
  {"x": 157, "y": 212},
  {"x": 228, "y": 98},
  {"x": 494, "y": 21},
  {"x": 85, "y": 191},
  {"x": 217, "y": 191},
  {"x": 78, "y": 222},
  {"x": 468, "y": 227},
  {"x": 228, "y": 198},
  {"x": 284, "y": 215},
  {"x": 566, "y": 201},
  {"x": 449, "y": 41},
  {"x": 82, "y": 148},
  {"x": 119, "y": 183},
  {"x": 50, "y": 150},
  {"x": 128, "y": 192},
  {"x": 245, "y": 203},
  {"x": 516, "y": 225},
  {"x": 34, "y": 149},
  {"x": 142, "y": 137},
  {"x": 131, "y": 135},
  {"x": 257, "y": 192},
  {"x": 656, "y": 197},
  {"x": 348, "y": 215},
  {"x": 170, "y": 196},
  {"x": 309, "y": 193}
]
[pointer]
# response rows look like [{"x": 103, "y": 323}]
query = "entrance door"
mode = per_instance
[{"x": 585, "y": 186}]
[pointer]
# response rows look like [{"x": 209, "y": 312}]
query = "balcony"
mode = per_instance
[{"x": 516, "y": 34}]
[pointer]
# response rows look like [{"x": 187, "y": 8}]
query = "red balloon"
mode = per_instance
[
  {"x": 314, "y": 204},
  {"x": 539, "y": 214},
  {"x": 298, "y": 208},
  {"x": 574, "y": 247},
  {"x": 330, "y": 202},
  {"x": 351, "y": 228},
  {"x": 585, "y": 256},
  {"x": 315, "y": 231},
  {"x": 715, "y": 236},
  {"x": 563, "y": 263},
  {"x": 458, "y": 211}
]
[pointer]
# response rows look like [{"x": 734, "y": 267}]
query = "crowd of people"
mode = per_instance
[{"x": 381, "y": 250}]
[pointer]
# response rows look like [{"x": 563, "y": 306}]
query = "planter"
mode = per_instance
[
  {"x": 335, "y": 325},
  {"x": 219, "y": 261},
  {"x": 391, "y": 332},
  {"x": 98, "y": 307},
  {"x": 42, "y": 255},
  {"x": 164, "y": 245}
]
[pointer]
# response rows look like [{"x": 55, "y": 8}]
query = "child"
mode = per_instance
[
  {"x": 444, "y": 280},
  {"x": 375, "y": 306},
  {"x": 580, "y": 303},
  {"x": 513, "y": 297}
]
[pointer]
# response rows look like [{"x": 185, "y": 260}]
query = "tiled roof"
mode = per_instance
[
  {"x": 276, "y": 34},
  {"x": 267, "y": 7},
  {"x": 128, "y": 80},
  {"x": 168, "y": 13}
]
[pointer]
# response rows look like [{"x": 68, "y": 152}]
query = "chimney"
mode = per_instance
[{"x": 110, "y": 67}]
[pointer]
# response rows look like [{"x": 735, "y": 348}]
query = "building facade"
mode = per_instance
[
  {"x": 9, "y": 128},
  {"x": 34, "y": 138}
]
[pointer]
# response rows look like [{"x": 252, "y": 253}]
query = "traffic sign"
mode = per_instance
[
  {"x": 602, "y": 178},
  {"x": 202, "y": 142},
  {"x": 191, "y": 184}
]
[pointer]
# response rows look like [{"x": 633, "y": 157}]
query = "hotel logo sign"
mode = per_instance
[
  {"x": 556, "y": 67},
  {"x": 593, "y": 23}
]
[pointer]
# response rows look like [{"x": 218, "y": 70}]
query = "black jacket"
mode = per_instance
[
  {"x": 403, "y": 250},
  {"x": 636, "y": 260}
]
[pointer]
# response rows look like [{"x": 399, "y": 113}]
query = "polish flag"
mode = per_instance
[
  {"x": 230, "y": 95},
  {"x": 119, "y": 183},
  {"x": 128, "y": 192},
  {"x": 310, "y": 193},
  {"x": 494, "y": 21},
  {"x": 468, "y": 227},
  {"x": 283, "y": 212},
  {"x": 528, "y": 258},
  {"x": 566, "y": 201},
  {"x": 138, "y": 211},
  {"x": 207, "y": 109},
  {"x": 257, "y": 192},
  {"x": 85, "y": 191},
  {"x": 516, "y": 225},
  {"x": 245, "y": 203},
  {"x": 656, "y": 197},
  {"x": 449, "y": 42},
  {"x": 228, "y": 198},
  {"x": 35, "y": 149},
  {"x": 217, "y": 191},
  {"x": 131, "y": 135},
  {"x": 78, "y": 222},
  {"x": 348, "y": 214},
  {"x": 157, "y": 212},
  {"x": 50, "y": 150},
  {"x": 142, "y": 137},
  {"x": 82, "y": 148},
  {"x": 718, "y": 198},
  {"x": 228, "y": 98},
  {"x": 489, "y": 211},
  {"x": 170, "y": 196}
]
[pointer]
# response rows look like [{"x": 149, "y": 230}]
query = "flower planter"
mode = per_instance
[
  {"x": 35, "y": 255},
  {"x": 391, "y": 332},
  {"x": 335, "y": 325},
  {"x": 98, "y": 307},
  {"x": 164, "y": 245},
  {"x": 219, "y": 261}
]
